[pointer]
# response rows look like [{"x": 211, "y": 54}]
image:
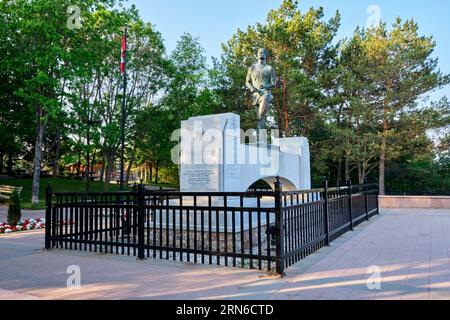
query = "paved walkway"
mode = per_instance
[
  {"x": 410, "y": 248},
  {"x": 26, "y": 214}
]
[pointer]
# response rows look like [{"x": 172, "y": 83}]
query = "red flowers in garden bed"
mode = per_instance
[{"x": 23, "y": 225}]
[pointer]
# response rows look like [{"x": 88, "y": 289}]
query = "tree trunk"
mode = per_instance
[
  {"x": 102, "y": 171},
  {"x": 108, "y": 176},
  {"x": 109, "y": 170},
  {"x": 363, "y": 175},
  {"x": 339, "y": 173},
  {"x": 57, "y": 152},
  {"x": 93, "y": 163},
  {"x": 40, "y": 129},
  {"x": 381, "y": 179},
  {"x": 150, "y": 172},
  {"x": 87, "y": 166},
  {"x": 347, "y": 169},
  {"x": 79, "y": 164},
  {"x": 1, "y": 160},
  {"x": 130, "y": 165},
  {"x": 58, "y": 138},
  {"x": 156, "y": 173},
  {"x": 287, "y": 129},
  {"x": 10, "y": 163},
  {"x": 362, "y": 172},
  {"x": 382, "y": 168},
  {"x": 279, "y": 113}
]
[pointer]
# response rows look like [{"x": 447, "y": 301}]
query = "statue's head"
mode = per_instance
[{"x": 262, "y": 54}]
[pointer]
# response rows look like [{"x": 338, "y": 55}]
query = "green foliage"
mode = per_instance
[
  {"x": 169, "y": 176},
  {"x": 14, "y": 209},
  {"x": 362, "y": 102},
  {"x": 187, "y": 94},
  {"x": 43, "y": 56},
  {"x": 302, "y": 50},
  {"x": 58, "y": 185}
]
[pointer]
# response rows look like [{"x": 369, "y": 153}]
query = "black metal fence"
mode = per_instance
[
  {"x": 313, "y": 219},
  {"x": 264, "y": 230},
  {"x": 416, "y": 190}
]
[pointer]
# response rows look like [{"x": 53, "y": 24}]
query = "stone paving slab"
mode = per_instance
[
  {"x": 409, "y": 247},
  {"x": 11, "y": 295}
]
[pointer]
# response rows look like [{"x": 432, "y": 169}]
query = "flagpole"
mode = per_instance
[{"x": 122, "y": 126}]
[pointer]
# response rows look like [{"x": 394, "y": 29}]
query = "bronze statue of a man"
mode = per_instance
[{"x": 261, "y": 79}]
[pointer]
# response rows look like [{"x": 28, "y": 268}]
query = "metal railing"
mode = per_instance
[
  {"x": 415, "y": 190},
  {"x": 264, "y": 230},
  {"x": 313, "y": 219}
]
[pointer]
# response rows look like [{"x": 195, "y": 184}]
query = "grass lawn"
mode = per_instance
[
  {"x": 58, "y": 185},
  {"x": 163, "y": 185}
]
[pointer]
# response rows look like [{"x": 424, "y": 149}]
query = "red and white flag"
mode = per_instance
[{"x": 124, "y": 50}]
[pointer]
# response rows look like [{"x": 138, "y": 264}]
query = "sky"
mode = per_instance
[{"x": 215, "y": 21}]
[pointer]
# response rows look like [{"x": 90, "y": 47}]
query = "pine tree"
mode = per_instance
[{"x": 14, "y": 210}]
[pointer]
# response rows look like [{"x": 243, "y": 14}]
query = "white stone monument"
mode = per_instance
[{"x": 215, "y": 158}]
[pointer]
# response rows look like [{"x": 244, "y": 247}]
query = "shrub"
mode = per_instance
[
  {"x": 14, "y": 210},
  {"x": 169, "y": 176}
]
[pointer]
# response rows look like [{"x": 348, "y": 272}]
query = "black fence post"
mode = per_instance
[
  {"x": 141, "y": 223},
  {"x": 326, "y": 213},
  {"x": 350, "y": 204},
  {"x": 279, "y": 227},
  {"x": 48, "y": 216},
  {"x": 366, "y": 198}
]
